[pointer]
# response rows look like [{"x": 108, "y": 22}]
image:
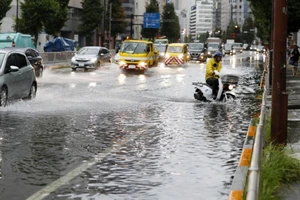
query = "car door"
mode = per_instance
[
  {"x": 26, "y": 74},
  {"x": 12, "y": 79},
  {"x": 104, "y": 55}
]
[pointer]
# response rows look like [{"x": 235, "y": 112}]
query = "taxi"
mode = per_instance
[
  {"x": 137, "y": 55},
  {"x": 176, "y": 53}
]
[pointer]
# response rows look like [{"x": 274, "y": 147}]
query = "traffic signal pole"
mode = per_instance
[{"x": 279, "y": 95}]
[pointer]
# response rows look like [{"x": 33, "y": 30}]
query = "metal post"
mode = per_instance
[
  {"x": 279, "y": 103},
  {"x": 17, "y": 19},
  {"x": 131, "y": 25},
  {"x": 109, "y": 31}
]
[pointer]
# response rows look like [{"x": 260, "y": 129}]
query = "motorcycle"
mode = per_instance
[{"x": 227, "y": 83}]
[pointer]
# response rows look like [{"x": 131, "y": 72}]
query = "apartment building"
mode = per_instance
[{"x": 202, "y": 17}]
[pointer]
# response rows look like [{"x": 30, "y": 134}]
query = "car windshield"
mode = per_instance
[
  {"x": 133, "y": 47},
  {"x": 88, "y": 51},
  {"x": 161, "y": 48},
  {"x": 213, "y": 46},
  {"x": 237, "y": 45},
  {"x": 1, "y": 58},
  {"x": 228, "y": 46},
  {"x": 174, "y": 49},
  {"x": 195, "y": 46}
]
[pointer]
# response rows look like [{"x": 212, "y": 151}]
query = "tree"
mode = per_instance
[
  {"x": 248, "y": 33},
  {"x": 262, "y": 12},
  {"x": 118, "y": 22},
  {"x": 151, "y": 32},
  {"x": 90, "y": 20},
  {"x": 57, "y": 17},
  {"x": 170, "y": 23},
  {"x": 4, "y": 7}
]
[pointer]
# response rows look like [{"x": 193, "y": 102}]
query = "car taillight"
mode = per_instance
[{"x": 13, "y": 44}]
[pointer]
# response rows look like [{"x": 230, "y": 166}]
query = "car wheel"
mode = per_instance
[
  {"x": 32, "y": 92},
  {"x": 3, "y": 97}
]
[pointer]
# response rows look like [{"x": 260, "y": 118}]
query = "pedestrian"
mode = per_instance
[{"x": 294, "y": 58}]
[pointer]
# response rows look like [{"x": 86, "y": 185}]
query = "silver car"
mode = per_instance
[
  {"x": 17, "y": 77},
  {"x": 90, "y": 57}
]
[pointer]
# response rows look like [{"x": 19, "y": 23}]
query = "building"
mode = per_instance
[{"x": 201, "y": 17}]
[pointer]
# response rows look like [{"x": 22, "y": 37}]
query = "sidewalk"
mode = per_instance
[{"x": 293, "y": 90}]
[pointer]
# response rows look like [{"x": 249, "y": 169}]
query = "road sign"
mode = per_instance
[{"x": 151, "y": 20}]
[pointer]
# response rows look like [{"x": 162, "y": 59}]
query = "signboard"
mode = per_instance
[{"x": 151, "y": 20}]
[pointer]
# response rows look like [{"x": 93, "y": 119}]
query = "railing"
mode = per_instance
[
  {"x": 255, "y": 166},
  {"x": 61, "y": 57}
]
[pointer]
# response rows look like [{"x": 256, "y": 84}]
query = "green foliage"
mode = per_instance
[
  {"x": 248, "y": 31},
  {"x": 38, "y": 14},
  {"x": 57, "y": 17},
  {"x": 278, "y": 168},
  {"x": 90, "y": 17},
  {"x": 151, "y": 32},
  {"x": 118, "y": 13},
  {"x": 170, "y": 24},
  {"x": 262, "y": 12},
  {"x": 4, "y": 7}
]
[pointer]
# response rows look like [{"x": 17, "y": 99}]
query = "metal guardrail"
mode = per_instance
[
  {"x": 62, "y": 57},
  {"x": 255, "y": 166}
]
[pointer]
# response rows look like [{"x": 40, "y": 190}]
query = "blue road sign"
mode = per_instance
[{"x": 151, "y": 20}]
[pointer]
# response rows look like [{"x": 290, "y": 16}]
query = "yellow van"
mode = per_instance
[
  {"x": 138, "y": 55},
  {"x": 177, "y": 53}
]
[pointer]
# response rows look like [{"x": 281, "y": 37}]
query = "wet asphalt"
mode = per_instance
[{"x": 110, "y": 134}]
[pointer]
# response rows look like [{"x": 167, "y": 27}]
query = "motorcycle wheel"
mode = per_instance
[{"x": 228, "y": 97}]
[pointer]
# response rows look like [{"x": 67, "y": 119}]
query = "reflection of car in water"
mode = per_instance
[
  {"x": 197, "y": 52},
  {"x": 212, "y": 48},
  {"x": 161, "y": 48},
  {"x": 138, "y": 55},
  {"x": 177, "y": 53}
]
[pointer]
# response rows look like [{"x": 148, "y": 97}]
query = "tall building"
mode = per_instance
[{"x": 201, "y": 17}]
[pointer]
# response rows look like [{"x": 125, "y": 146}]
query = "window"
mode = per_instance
[
  {"x": 21, "y": 61},
  {"x": 11, "y": 61}
]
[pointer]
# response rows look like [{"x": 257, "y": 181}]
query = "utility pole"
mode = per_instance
[
  {"x": 131, "y": 25},
  {"x": 17, "y": 19},
  {"x": 109, "y": 31},
  {"x": 279, "y": 95}
]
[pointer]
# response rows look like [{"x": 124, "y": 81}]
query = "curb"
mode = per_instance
[{"x": 240, "y": 176}]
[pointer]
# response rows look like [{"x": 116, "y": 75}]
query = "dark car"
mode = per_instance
[
  {"x": 161, "y": 48},
  {"x": 197, "y": 52},
  {"x": 90, "y": 57},
  {"x": 34, "y": 58}
]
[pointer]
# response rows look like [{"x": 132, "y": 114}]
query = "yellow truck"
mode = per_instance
[{"x": 137, "y": 55}]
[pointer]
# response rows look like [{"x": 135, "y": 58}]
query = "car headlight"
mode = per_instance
[
  {"x": 73, "y": 59},
  {"x": 201, "y": 54},
  {"x": 167, "y": 55},
  {"x": 209, "y": 53},
  {"x": 162, "y": 53},
  {"x": 230, "y": 87},
  {"x": 180, "y": 56},
  {"x": 94, "y": 59},
  {"x": 122, "y": 63},
  {"x": 142, "y": 63}
]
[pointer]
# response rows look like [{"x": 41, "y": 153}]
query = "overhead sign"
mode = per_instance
[{"x": 151, "y": 20}]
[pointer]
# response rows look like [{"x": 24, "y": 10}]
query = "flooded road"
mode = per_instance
[{"x": 106, "y": 134}]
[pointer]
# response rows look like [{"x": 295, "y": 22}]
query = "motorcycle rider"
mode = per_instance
[{"x": 213, "y": 68}]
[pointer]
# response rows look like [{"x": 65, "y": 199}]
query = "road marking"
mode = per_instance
[{"x": 41, "y": 194}]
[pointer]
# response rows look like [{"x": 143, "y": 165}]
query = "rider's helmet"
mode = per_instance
[{"x": 218, "y": 54}]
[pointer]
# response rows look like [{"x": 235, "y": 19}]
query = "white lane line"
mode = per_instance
[{"x": 41, "y": 194}]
